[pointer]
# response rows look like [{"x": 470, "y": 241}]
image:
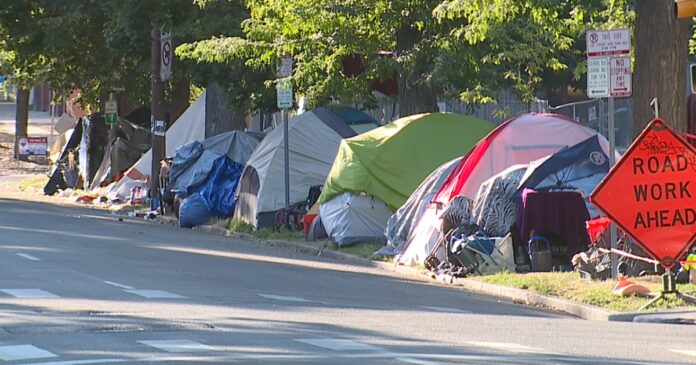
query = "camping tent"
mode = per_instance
[
  {"x": 190, "y": 126},
  {"x": 351, "y": 218},
  {"x": 314, "y": 139},
  {"x": 495, "y": 207},
  {"x": 519, "y": 140},
  {"x": 391, "y": 161},
  {"x": 399, "y": 224},
  {"x": 388, "y": 163},
  {"x": 356, "y": 119}
]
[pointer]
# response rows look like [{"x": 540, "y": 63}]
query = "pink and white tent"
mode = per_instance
[{"x": 519, "y": 140}]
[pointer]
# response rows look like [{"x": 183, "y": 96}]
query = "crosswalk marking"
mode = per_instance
[
  {"x": 113, "y": 283},
  {"x": 28, "y": 257},
  {"x": 444, "y": 309},
  {"x": 29, "y": 293},
  {"x": 506, "y": 346},
  {"x": 155, "y": 294},
  {"x": 284, "y": 298},
  {"x": 23, "y": 352},
  {"x": 685, "y": 352},
  {"x": 178, "y": 345},
  {"x": 339, "y": 344}
]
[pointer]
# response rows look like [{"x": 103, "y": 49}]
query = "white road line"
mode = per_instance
[
  {"x": 155, "y": 294},
  {"x": 512, "y": 347},
  {"x": 28, "y": 257},
  {"x": 339, "y": 344},
  {"x": 113, "y": 283},
  {"x": 416, "y": 361},
  {"x": 178, "y": 345},
  {"x": 29, "y": 293},
  {"x": 23, "y": 352},
  {"x": 444, "y": 309},
  {"x": 284, "y": 298},
  {"x": 685, "y": 352}
]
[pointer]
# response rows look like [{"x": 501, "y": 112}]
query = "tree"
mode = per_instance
[
  {"x": 22, "y": 59},
  {"x": 661, "y": 53}
]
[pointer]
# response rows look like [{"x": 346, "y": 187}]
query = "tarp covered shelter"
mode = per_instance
[
  {"x": 194, "y": 161},
  {"x": 391, "y": 161},
  {"x": 190, "y": 126},
  {"x": 399, "y": 225},
  {"x": 314, "y": 139},
  {"x": 520, "y": 140},
  {"x": 212, "y": 169},
  {"x": 580, "y": 167}
]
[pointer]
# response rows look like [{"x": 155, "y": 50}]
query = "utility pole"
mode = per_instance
[{"x": 157, "y": 117}]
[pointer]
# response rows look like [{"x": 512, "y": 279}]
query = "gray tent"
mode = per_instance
[
  {"x": 350, "y": 218},
  {"x": 194, "y": 160},
  {"x": 314, "y": 139}
]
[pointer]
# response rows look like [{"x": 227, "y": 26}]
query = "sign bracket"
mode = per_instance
[{"x": 669, "y": 286}]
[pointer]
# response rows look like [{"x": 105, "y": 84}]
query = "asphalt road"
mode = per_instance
[{"x": 77, "y": 286}]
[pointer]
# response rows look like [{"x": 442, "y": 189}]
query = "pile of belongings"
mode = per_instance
[{"x": 467, "y": 250}]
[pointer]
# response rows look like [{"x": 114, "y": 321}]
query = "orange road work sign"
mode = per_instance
[{"x": 651, "y": 193}]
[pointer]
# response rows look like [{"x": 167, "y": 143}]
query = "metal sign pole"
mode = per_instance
[
  {"x": 612, "y": 162},
  {"x": 284, "y": 112}
]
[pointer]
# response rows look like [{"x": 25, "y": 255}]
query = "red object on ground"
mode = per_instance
[
  {"x": 307, "y": 222},
  {"x": 596, "y": 227},
  {"x": 651, "y": 193}
]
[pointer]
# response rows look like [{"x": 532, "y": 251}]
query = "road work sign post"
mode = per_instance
[
  {"x": 651, "y": 194},
  {"x": 609, "y": 76}
]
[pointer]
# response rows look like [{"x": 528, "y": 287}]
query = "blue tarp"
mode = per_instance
[
  {"x": 218, "y": 189},
  {"x": 207, "y": 173}
]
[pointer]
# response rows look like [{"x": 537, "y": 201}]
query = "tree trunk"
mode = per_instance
[
  {"x": 218, "y": 116},
  {"x": 181, "y": 93},
  {"x": 416, "y": 93},
  {"x": 21, "y": 119},
  {"x": 661, "y": 53}
]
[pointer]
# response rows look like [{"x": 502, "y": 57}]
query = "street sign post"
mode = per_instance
[
  {"x": 285, "y": 102},
  {"x": 651, "y": 193},
  {"x": 609, "y": 75},
  {"x": 166, "y": 54},
  {"x": 111, "y": 112}
]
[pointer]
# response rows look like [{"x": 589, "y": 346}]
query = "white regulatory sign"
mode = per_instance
[
  {"x": 166, "y": 55},
  {"x": 620, "y": 76},
  {"x": 284, "y": 94},
  {"x": 597, "y": 77},
  {"x": 608, "y": 42}
]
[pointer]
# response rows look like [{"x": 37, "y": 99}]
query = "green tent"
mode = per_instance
[{"x": 389, "y": 162}]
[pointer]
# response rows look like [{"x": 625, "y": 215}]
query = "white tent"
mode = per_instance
[
  {"x": 314, "y": 139},
  {"x": 350, "y": 218},
  {"x": 190, "y": 126}
]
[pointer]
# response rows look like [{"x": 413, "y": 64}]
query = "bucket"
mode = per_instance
[
  {"x": 307, "y": 222},
  {"x": 539, "y": 255}
]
